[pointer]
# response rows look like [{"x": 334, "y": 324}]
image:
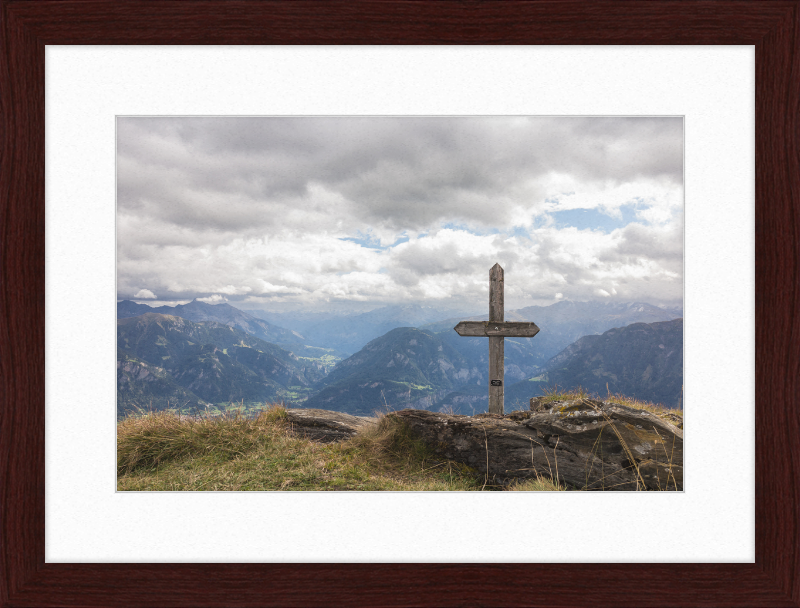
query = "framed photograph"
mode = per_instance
[
  {"x": 301, "y": 278},
  {"x": 80, "y": 435},
  {"x": 84, "y": 571}
]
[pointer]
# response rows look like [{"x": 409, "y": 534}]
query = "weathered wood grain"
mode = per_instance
[
  {"x": 496, "y": 294},
  {"x": 507, "y": 329},
  {"x": 496, "y": 374},
  {"x": 496, "y": 345}
]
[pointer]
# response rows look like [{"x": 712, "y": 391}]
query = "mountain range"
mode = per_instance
[
  {"x": 228, "y": 315},
  {"x": 641, "y": 360},
  {"x": 564, "y": 322},
  {"x": 414, "y": 368},
  {"x": 167, "y": 360},
  {"x": 225, "y": 355},
  {"x": 351, "y": 332},
  {"x": 407, "y": 367}
]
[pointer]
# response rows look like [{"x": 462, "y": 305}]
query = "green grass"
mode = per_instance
[
  {"x": 162, "y": 451},
  {"x": 326, "y": 360},
  {"x": 412, "y": 385}
]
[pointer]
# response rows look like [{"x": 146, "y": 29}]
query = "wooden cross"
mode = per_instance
[{"x": 496, "y": 330}]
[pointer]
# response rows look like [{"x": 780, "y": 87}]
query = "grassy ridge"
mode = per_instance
[
  {"x": 162, "y": 451},
  {"x": 165, "y": 451}
]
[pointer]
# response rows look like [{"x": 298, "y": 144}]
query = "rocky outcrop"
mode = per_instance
[
  {"x": 585, "y": 444},
  {"x": 325, "y": 426}
]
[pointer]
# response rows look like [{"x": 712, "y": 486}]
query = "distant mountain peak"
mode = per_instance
[{"x": 224, "y": 313}]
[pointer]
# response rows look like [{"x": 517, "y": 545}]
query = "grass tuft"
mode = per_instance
[
  {"x": 391, "y": 438},
  {"x": 540, "y": 484},
  {"x": 145, "y": 442},
  {"x": 553, "y": 394}
]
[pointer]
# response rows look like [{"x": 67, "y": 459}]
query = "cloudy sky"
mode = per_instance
[{"x": 315, "y": 213}]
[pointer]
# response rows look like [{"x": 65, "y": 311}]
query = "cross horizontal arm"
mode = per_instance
[{"x": 504, "y": 329}]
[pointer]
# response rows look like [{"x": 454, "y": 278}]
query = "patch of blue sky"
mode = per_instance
[
  {"x": 596, "y": 219},
  {"x": 520, "y": 232},
  {"x": 371, "y": 242},
  {"x": 514, "y": 231},
  {"x": 459, "y": 227}
]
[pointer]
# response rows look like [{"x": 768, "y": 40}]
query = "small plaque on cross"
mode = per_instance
[{"x": 496, "y": 329}]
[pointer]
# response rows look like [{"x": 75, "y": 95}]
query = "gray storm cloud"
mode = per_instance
[{"x": 262, "y": 205}]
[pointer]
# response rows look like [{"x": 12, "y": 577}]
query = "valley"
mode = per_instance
[
  {"x": 224, "y": 358},
  {"x": 167, "y": 362}
]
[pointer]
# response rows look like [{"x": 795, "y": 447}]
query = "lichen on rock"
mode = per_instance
[{"x": 583, "y": 443}]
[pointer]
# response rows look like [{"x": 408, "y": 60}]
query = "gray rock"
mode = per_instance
[
  {"x": 324, "y": 425},
  {"x": 585, "y": 444}
]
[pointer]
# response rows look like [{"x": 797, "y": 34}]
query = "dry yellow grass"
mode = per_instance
[
  {"x": 540, "y": 484},
  {"x": 673, "y": 416},
  {"x": 165, "y": 452}
]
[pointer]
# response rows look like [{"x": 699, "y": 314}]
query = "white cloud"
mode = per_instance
[
  {"x": 656, "y": 199},
  {"x": 268, "y": 210},
  {"x": 215, "y": 299},
  {"x": 145, "y": 294},
  {"x": 231, "y": 290}
]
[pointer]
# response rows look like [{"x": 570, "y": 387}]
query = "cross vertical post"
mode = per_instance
[
  {"x": 496, "y": 329},
  {"x": 496, "y": 343}
]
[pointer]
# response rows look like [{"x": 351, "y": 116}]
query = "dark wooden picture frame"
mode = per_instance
[{"x": 773, "y": 27}]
